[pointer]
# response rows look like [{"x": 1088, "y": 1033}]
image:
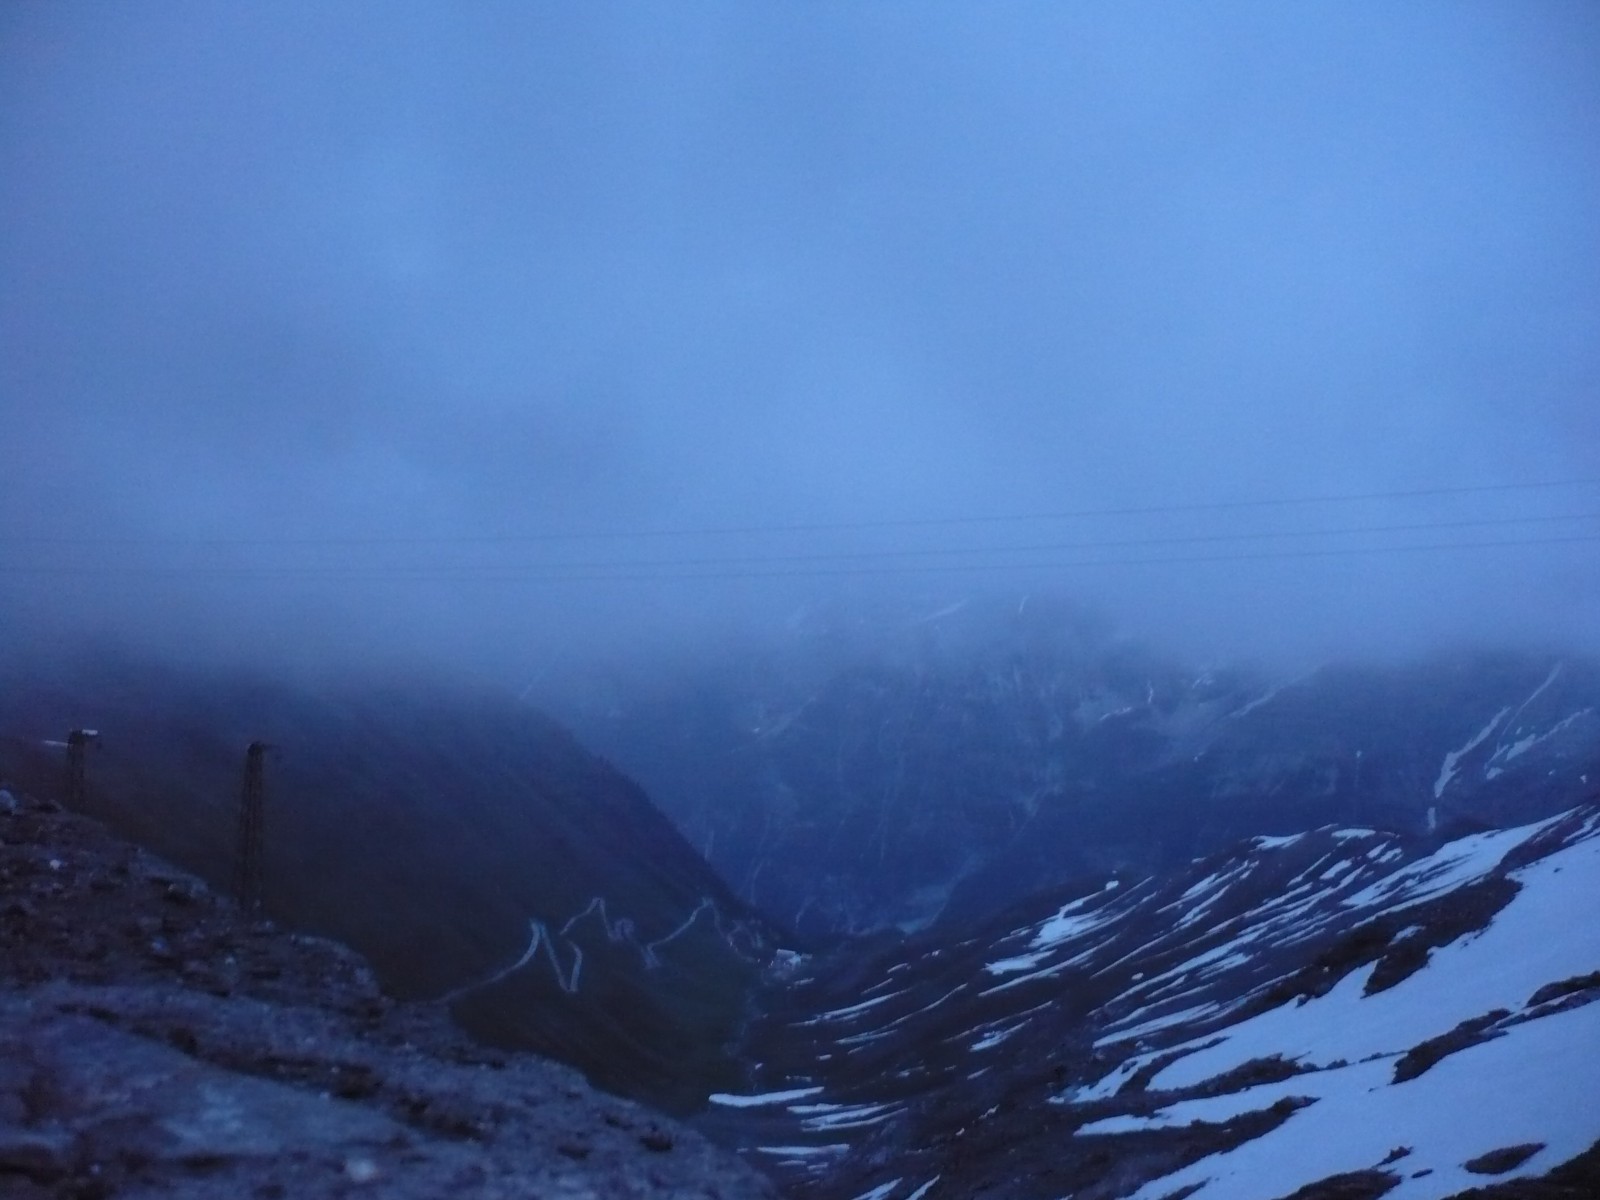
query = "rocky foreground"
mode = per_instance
[{"x": 154, "y": 1042}]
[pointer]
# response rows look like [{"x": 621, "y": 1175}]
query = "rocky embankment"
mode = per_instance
[{"x": 154, "y": 1042}]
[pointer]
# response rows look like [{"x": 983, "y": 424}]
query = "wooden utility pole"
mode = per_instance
[
  {"x": 78, "y": 743},
  {"x": 252, "y": 801}
]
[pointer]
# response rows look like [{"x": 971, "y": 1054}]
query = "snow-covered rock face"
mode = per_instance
[
  {"x": 966, "y": 759},
  {"x": 1338, "y": 1005}
]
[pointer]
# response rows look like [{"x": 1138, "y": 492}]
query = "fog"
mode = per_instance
[{"x": 488, "y": 335}]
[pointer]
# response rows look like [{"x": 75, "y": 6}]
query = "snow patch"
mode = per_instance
[
  {"x": 1448, "y": 770},
  {"x": 1265, "y": 842},
  {"x": 992, "y": 1039},
  {"x": 1532, "y": 941},
  {"x": 762, "y": 1099},
  {"x": 1066, "y": 924},
  {"x": 1452, "y": 865},
  {"x": 844, "y": 1014},
  {"x": 1023, "y": 962},
  {"x": 847, "y": 1117},
  {"x": 1533, "y": 1085}
]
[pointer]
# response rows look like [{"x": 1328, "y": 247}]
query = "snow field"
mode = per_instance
[{"x": 1534, "y": 1085}]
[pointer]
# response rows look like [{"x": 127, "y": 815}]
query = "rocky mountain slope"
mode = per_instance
[
  {"x": 907, "y": 767},
  {"x": 1118, "y": 1000},
  {"x": 467, "y": 846},
  {"x": 155, "y": 1044},
  {"x": 1336, "y": 1014}
]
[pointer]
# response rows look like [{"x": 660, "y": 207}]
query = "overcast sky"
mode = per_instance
[{"x": 298, "y": 299}]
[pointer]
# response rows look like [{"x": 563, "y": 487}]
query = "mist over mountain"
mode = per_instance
[
  {"x": 387, "y": 332},
  {"x": 893, "y": 768},
  {"x": 925, "y": 839},
  {"x": 744, "y": 528}
]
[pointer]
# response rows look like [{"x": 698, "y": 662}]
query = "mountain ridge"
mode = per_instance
[{"x": 937, "y": 767}]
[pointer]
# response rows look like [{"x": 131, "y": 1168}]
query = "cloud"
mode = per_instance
[{"x": 380, "y": 272}]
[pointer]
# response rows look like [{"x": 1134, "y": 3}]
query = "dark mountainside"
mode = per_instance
[
  {"x": 901, "y": 768},
  {"x": 153, "y": 1043},
  {"x": 448, "y": 836}
]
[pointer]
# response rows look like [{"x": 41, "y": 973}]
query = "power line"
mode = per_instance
[
  {"x": 816, "y": 557},
  {"x": 534, "y": 574},
  {"x": 818, "y": 526},
  {"x": 942, "y": 568}
]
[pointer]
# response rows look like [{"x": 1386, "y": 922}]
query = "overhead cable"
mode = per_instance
[
  {"x": 624, "y": 572},
  {"x": 571, "y": 535}
]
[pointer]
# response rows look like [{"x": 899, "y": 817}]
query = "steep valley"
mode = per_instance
[{"x": 1049, "y": 916}]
